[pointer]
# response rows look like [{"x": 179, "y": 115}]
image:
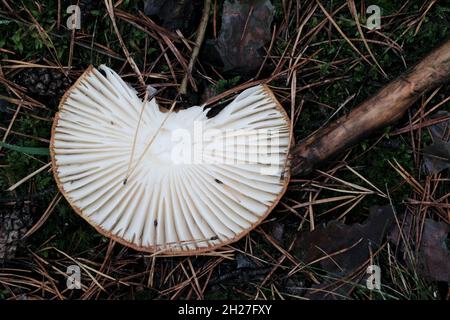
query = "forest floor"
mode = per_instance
[{"x": 321, "y": 60}]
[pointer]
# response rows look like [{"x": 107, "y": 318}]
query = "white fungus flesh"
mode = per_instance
[{"x": 174, "y": 183}]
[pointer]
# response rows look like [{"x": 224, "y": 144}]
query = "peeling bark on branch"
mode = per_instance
[{"x": 384, "y": 108}]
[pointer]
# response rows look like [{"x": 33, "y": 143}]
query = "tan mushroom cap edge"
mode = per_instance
[{"x": 152, "y": 249}]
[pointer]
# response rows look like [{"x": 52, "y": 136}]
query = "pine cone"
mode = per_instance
[
  {"x": 13, "y": 226},
  {"x": 44, "y": 82}
]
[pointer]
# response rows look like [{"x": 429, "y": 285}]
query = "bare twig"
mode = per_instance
[
  {"x": 110, "y": 8},
  {"x": 198, "y": 42}
]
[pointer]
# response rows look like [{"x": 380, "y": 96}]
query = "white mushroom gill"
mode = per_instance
[{"x": 195, "y": 184}]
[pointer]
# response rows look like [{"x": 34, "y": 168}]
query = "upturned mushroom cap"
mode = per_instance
[{"x": 193, "y": 183}]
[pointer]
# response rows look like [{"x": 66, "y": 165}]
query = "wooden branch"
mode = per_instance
[{"x": 384, "y": 108}]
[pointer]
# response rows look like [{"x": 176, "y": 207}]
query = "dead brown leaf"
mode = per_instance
[
  {"x": 354, "y": 240},
  {"x": 340, "y": 249},
  {"x": 245, "y": 30},
  {"x": 175, "y": 14},
  {"x": 433, "y": 256},
  {"x": 437, "y": 155}
]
